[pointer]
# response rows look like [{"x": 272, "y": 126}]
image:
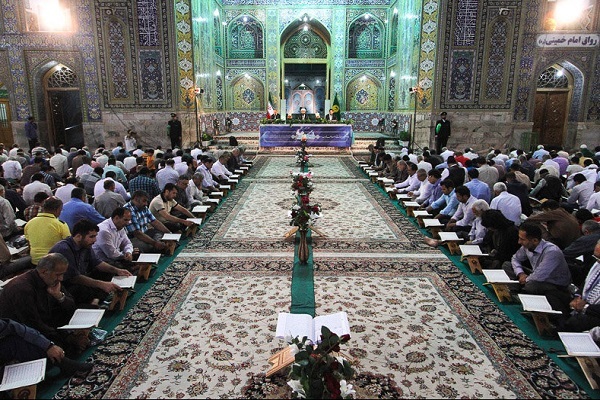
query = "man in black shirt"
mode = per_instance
[
  {"x": 174, "y": 129},
  {"x": 442, "y": 132}
]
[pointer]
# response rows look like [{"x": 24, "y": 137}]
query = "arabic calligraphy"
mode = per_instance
[
  {"x": 565, "y": 40},
  {"x": 316, "y": 135}
]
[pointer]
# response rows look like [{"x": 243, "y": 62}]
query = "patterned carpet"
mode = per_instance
[{"x": 420, "y": 328}]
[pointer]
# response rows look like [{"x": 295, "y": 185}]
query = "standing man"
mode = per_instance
[
  {"x": 130, "y": 142},
  {"x": 174, "y": 131},
  {"x": 31, "y": 131},
  {"x": 442, "y": 132}
]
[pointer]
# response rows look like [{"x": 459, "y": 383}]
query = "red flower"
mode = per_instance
[
  {"x": 332, "y": 385},
  {"x": 305, "y": 200}
]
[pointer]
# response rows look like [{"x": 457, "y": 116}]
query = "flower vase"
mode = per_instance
[{"x": 303, "y": 247}]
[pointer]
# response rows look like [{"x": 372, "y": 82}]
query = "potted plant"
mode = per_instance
[
  {"x": 403, "y": 137},
  {"x": 206, "y": 139}
]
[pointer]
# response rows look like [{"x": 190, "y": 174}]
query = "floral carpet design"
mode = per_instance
[
  {"x": 322, "y": 167},
  {"x": 413, "y": 335}
]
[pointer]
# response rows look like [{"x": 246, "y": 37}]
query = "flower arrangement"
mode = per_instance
[
  {"x": 302, "y": 183},
  {"x": 318, "y": 374},
  {"x": 302, "y": 156},
  {"x": 304, "y": 215}
]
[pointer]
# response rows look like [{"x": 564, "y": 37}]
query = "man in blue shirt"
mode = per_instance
[
  {"x": 478, "y": 189},
  {"x": 448, "y": 201},
  {"x": 78, "y": 209}
]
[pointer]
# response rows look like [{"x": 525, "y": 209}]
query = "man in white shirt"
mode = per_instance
[
  {"x": 594, "y": 201},
  {"x": 508, "y": 204},
  {"x": 64, "y": 192},
  {"x": 130, "y": 142},
  {"x": 540, "y": 152},
  {"x": 130, "y": 162},
  {"x": 446, "y": 153},
  {"x": 411, "y": 183},
  {"x": 208, "y": 182},
  {"x": 112, "y": 244},
  {"x": 219, "y": 170},
  {"x": 60, "y": 164},
  {"x": 119, "y": 188},
  {"x": 86, "y": 167},
  {"x": 462, "y": 220},
  {"x": 12, "y": 169},
  {"x": 580, "y": 194},
  {"x": 422, "y": 164},
  {"x": 37, "y": 185},
  {"x": 194, "y": 190},
  {"x": 167, "y": 174}
]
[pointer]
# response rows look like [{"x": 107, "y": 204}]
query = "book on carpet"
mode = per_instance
[
  {"x": 19, "y": 222},
  {"x": 389, "y": 189},
  {"x": 197, "y": 221},
  {"x": 497, "y": 276},
  {"x": 422, "y": 213},
  {"x": 411, "y": 204},
  {"x": 84, "y": 318},
  {"x": 217, "y": 194},
  {"x": 216, "y": 201},
  {"x": 148, "y": 258},
  {"x": 373, "y": 173},
  {"x": 23, "y": 374},
  {"x": 171, "y": 236},
  {"x": 595, "y": 211},
  {"x": 304, "y": 325},
  {"x": 536, "y": 303},
  {"x": 233, "y": 176},
  {"x": 403, "y": 196},
  {"x": 579, "y": 344},
  {"x": 200, "y": 209},
  {"x": 232, "y": 180},
  {"x": 225, "y": 187},
  {"x": 471, "y": 250},
  {"x": 124, "y": 282},
  {"x": 238, "y": 171}
]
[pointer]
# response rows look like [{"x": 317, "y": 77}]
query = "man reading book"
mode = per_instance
[{"x": 38, "y": 300}]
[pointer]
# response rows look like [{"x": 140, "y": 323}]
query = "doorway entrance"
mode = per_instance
[
  {"x": 305, "y": 86},
  {"x": 6, "y": 135},
  {"x": 552, "y": 106},
  {"x": 63, "y": 102}
]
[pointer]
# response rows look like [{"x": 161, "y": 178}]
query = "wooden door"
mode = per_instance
[
  {"x": 550, "y": 116},
  {"x": 6, "y": 135}
]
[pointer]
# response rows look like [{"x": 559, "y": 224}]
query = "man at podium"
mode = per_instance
[{"x": 303, "y": 116}]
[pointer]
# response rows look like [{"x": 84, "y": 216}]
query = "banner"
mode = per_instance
[
  {"x": 318, "y": 135},
  {"x": 270, "y": 110}
]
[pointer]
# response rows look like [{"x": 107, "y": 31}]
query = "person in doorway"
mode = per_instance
[
  {"x": 442, "y": 132},
  {"x": 31, "y": 131},
  {"x": 174, "y": 131}
]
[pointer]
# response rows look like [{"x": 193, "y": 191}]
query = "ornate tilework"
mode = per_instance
[
  {"x": 183, "y": 19},
  {"x": 246, "y": 63},
  {"x": 147, "y": 22},
  {"x": 496, "y": 59},
  {"x": 593, "y": 111},
  {"x": 428, "y": 35},
  {"x": 365, "y": 38},
  {"x": 151, "y": 75},
  {"x": 394, "y": 34},
  {"x": 305, "y": 44},
  {"x": 352, "y": 73},
  {"x": 218, "y": 41},
  {"x": 392, "y": 94},
  {"x": 363, "y": 93},
  {"x": 365, "y": 63},
  {"x": 525, "y": 78},
  {"x": 461, "y": 80},
  {"x": 338, "y": 47},
  {"x": 219, "y": 89},
  {"x": 466, "y": 22},
  {"x": 287, "y": 16},
  {"x": 233, "y": 73},
  {"x": 245, "y": 38},
  {"x": 247, "y": 94},
  {"x": 118, "y": 79},
  {"x": 305, "y": 2},
  {"x": 272, "y": 50}
]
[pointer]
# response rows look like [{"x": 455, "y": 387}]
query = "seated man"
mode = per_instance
[
  {"x": 78, "y": 209},
  {"x": 444, "y": 207},
  {"x": 586, "y": 304},
  {"x": 8, "y": 226},
  {"x": 143, "y": 182},
  {"x": 147, "y": 240},
  {"x": 502, "y": 240},
  {"x": 37, "y": 185},
  {"x": 580, "y": 194},
  {"x": 478, "y": 188},
  {"x": 108, "y": 201},
  {"x": 38, "y": 300},
  {"x": 433, "y": 191},
  {"x": 20, "y": 343},
  {"x": 411, "y": 183},
  {"x": 219, "y": 170},
  {"x": 508, "y": 204},
  {"x": 112, "y": 244},
  {"x": 164, "y": 204},
  {"x": 582, "y": 246},
  {"x": 424, "y": 188},
  {"x": 462, "y": 219},
  {"x": 87, "y": 278},
  {"x": 45, "y": 230},
  {"x": 208, "y": 183},
  {"x": 194, "y": 191},
  {"x": 540, "y": 268}
]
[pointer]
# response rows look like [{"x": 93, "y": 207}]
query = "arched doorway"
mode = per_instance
[
  {"x": 551, "y": 109},
  {"x": 305, "y": 67},
  {"x": 63, "y": 105},
  {"x": 6, "y": 135}
]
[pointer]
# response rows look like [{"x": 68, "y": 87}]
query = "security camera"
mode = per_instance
[{"x": 504, "y": 12}]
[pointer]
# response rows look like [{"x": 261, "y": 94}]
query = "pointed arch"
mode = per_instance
[
  {"x": 245, "y": 38},
  {"x": 247, "y": 93},
  {"x": 363, "y": 93},
  {"x": 366, "y": 36}
]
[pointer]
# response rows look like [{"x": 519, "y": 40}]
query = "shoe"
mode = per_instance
[{"x": 70, "y": 367}]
